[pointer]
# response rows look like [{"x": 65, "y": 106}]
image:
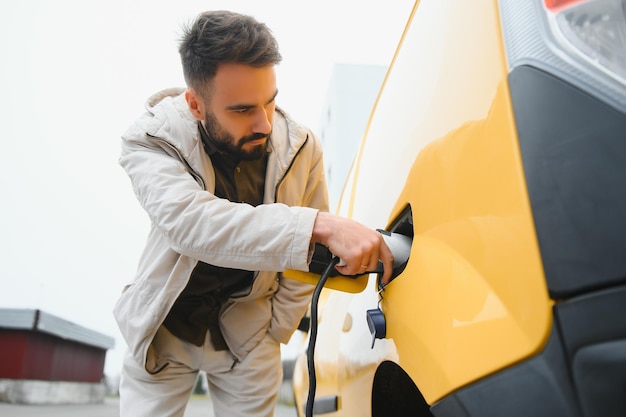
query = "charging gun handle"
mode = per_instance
[{"x": 400, "y": 246}]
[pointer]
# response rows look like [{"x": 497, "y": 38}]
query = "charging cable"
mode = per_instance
[{"x": 313, "y": 336}]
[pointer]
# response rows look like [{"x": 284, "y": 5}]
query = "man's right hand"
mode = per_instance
[{"x": 357, "y": 245}]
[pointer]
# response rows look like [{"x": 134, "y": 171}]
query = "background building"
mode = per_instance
[
  {"x": 351, "y": 95},
  {"x": 45, "y": 359}
]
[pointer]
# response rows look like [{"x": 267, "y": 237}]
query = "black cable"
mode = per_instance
[{"x": 313, "y": 336}]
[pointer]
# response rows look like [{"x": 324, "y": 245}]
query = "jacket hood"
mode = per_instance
[{"x": 157, "y": 97}]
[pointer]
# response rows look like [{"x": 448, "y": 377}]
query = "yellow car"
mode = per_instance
[{"x": 497, "y": 144}]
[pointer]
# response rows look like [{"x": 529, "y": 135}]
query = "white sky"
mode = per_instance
[{"x": 73, "y": 76}]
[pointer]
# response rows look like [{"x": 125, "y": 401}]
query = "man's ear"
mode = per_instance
[{"x": 195, "y": 103}]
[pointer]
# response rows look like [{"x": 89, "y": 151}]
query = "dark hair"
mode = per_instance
[{"x": 217, "y": 37}]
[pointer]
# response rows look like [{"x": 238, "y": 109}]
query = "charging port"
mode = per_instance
[{"x": 399, "y": 238}]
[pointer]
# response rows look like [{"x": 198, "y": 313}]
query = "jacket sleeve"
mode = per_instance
[
  {"x": 199, "y": 225},
  {"x": 293, "y": 297}
]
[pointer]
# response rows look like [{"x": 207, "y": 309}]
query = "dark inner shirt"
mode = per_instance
[{"x": 197, "y": 308}]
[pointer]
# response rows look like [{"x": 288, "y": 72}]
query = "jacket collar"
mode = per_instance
[{"x": 172, "y": 121}]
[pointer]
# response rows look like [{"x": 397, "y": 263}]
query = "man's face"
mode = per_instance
[
  {"x": 240, "y": 110},
  {"x": 227, "y": 143}
]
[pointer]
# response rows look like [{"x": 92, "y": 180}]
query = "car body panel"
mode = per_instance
[{"x": 465, "y": 184}]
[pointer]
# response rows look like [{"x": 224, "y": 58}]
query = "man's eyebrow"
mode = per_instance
[
  {"x": 250, "y": 106},
  {"x": 273, "y": 97}
]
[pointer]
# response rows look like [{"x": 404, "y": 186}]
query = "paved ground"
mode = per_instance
[{"x": 198, "y": 407}]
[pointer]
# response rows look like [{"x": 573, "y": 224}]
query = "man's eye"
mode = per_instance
[{"x": 244, "y": 110}]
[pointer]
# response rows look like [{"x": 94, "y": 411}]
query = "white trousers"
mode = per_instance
[{"x": 248, "y": 388}]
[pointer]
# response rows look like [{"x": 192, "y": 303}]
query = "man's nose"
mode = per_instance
[{"x": 263, "y": 122}]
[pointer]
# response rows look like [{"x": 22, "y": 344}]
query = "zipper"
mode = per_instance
[
  {"x": 188, "y": 166},
  {"x": 293, "y": 160}
]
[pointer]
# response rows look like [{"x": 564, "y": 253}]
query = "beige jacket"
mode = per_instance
[{"x": 173, "y": 180}]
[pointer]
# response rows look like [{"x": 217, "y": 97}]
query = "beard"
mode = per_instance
[{"x": 226, "y": 142}]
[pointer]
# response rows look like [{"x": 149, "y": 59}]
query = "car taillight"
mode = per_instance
[
  {"x": 594, "y": 29},
  {"x": 555, "y": 4},
  {"x": 581, "y": 41}
]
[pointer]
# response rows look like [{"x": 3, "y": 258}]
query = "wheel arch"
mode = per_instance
[{"x": 395, "y": 394}]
